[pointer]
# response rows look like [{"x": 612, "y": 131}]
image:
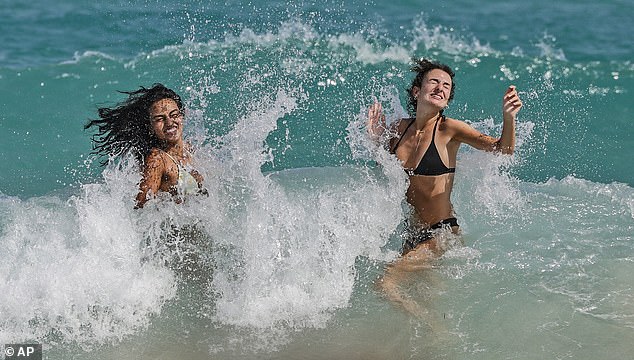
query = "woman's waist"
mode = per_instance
[{"x": 428, "y": 216}]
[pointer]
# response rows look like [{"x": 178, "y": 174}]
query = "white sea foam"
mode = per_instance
[
  {"x": 72, "y": 269},
  {"x": 291, "y": 252},
  {"x": 78, "y": 57},
  {"x": 286, "y": 245}
]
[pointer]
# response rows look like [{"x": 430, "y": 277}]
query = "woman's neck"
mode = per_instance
[
  {"x": 175, "y": 149},
  {"x": 425, "y": 117}
]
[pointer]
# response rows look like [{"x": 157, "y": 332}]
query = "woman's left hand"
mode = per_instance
[{"x": 511, "y": 103}]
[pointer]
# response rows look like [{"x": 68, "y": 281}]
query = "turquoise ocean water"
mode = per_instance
[{"x": 303, "y": 213}]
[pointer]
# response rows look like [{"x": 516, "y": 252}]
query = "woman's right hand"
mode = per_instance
[{"x": 376, "y": 121}]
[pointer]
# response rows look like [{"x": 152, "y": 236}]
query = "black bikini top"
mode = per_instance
[{"x": 430, "y": 164}]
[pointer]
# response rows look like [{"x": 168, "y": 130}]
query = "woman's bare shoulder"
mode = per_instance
[
  {"x": 400, "y": 124},
  {"x": 454, "y": 124},
  {"x": 155, "y": 157}
]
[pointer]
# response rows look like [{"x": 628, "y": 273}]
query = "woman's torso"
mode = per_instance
[
  {"x": 430, "y": 195},
  {"x": 178, "y": 178}
]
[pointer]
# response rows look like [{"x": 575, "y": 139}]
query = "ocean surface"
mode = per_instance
[{"x": 304, "y": 213}]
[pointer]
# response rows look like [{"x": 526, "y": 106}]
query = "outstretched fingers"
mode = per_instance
[
  {"x": 376, "y": 119},
  {"x": 375, "y": 114}
]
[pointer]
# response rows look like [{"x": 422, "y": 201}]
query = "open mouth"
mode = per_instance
[{"x": 171, "y": 131}]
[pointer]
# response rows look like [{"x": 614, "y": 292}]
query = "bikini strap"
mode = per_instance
[
  {"x": 174, "y": 160},
  {"x": 393, "y": 150},
  {"x": 433, "y": 135}
]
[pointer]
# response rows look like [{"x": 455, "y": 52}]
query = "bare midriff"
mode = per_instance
[{"x": 431, "y": 198}]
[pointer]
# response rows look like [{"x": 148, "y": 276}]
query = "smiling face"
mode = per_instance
[
  {"x": 435, "y": 89},
  {"x": 167, "y": 121}
]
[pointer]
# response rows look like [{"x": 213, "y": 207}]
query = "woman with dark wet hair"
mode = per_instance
[
  {"x": 427, "y": 145},
  {"x": 149, "y": 124}
]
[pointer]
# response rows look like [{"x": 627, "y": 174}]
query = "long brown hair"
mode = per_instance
[{"x": 127, "y": 127}]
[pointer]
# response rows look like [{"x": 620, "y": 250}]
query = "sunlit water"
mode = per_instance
[{"x": 280, "y": 260}]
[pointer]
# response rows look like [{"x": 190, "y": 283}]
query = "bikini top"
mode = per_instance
[
  {"x": 430, "y": 164},
  {"x": 186, "y": 183}
]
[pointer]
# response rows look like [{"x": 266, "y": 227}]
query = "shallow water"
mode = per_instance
[{"x": 303, "y": 214}]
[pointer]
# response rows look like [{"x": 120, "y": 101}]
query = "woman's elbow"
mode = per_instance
[{"x": 499, "y": 147}]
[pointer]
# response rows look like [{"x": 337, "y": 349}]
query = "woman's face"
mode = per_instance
[
  {"x": 435, "y": 89},
  {"x": 167, "y": 121}
]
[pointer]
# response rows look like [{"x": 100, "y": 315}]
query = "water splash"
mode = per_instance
[{"x": 73, "y": 269}]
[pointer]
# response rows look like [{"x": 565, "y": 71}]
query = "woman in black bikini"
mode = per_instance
[{"x": 427, "y": 145}]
